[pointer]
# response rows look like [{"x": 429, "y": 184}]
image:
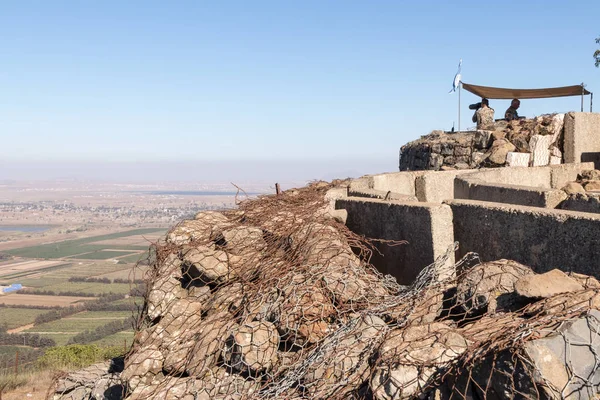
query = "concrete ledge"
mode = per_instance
[
  {"x": 472, "y": 188},
  {"x": 561, "y": 174},
  {"x": 541, "y": 238},
  {"x": 380, "y": 194},
  {"x": 437, "y": 186},
  {"x": 427, "y": 228}
]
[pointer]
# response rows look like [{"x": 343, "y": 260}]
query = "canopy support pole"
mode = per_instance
[
  {"x": 582, "y": 94},
  {"x": 459, "y": 86},
  {"x": 591, "y": 100}
]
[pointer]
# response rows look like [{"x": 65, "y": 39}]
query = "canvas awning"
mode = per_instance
[{"x": 503, "y": 93}]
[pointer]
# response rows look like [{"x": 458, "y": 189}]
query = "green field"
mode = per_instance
[
  {"x": 85, "y": 287},
  {"x": 101, "y": 314},
  {"x": 134, "y": 258},
  {"x": 69, "y": 248},
  {"x": 15, "y": 317},
  {"x": 101, "y": 255},
  {"x": 119, "y": 339}
]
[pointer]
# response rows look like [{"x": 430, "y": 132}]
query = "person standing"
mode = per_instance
[
  {"x": 511, "y": 112},
  {"x": 484, "y": 116}
]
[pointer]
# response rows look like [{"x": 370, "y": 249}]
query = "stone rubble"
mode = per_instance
[
  {"x": 241, "y": 308},
  {"x": 540, "y": 138}
]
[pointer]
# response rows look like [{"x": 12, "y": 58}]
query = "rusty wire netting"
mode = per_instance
[{"x": 277, "y": 300}]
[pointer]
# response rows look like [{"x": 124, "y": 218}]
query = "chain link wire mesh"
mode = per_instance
[{"x": 278, "y": 300}]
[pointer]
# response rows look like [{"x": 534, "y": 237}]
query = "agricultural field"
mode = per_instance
[
  {"x": 12, "y": 318},
  {"x": 124, "y": 338},
  {"x": 93, "y": 288},
  {"x": 16, "y": 299},
  {"x": 75, "y": 267},
  {"x": 65, "y": 328},
  {"x": 70, "y": 248}
]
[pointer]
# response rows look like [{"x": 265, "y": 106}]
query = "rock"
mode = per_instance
[
  {"x": 480, "y": 287},
  {"x": 304, "y": 311},
  {"x": 200, "y": 294},
  {"x": 560, "y": 364},
  {"x": 218, "y": 384},
  {"x": 462, "y": 165},
  {"x": 206, "y": 265},
  {"x": 97, "y": 382},
  {"x": 517, "y": 159},
  {"x": 572, "y": 188},
  {"x": 500, "y": 148},
  {"x": 554, "y": 160},
  {"x": 540, "y": 149},
  {"x": 165, "y": 290},
  {"x": 343, "y": 359},
  {"x": 462, "y": 151},
  {"x": 226, "y": 298},
  {"x": 252, "y": 347},
  {"x": 592, "y": 185},
  {"x": 351, "y": 284},
  {"x": 146, "y": 362},
  {"x": 588, "y": 282},
  {"x": 546, "y": 285},
  {"x": 565, "y": 362},
  {"x": 242, "y": 239},
  {"x": 496, "y": 135},
  {"x": 194, "y": 230},
  {"x": 482, "y": 139},
  {"x": 477, "y": 158},
  {"x": 436, "y": 161},
  {"x": 410, "y": 357},
  {"x": 589, "y": 175},
  {"x": 210, "y": 341}
]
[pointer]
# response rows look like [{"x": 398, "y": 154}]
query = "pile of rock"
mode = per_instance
[
  {"x": 526, "y": 142},
  {"x": 584, "y": 193},
  {"x": 271, "y": 302}
]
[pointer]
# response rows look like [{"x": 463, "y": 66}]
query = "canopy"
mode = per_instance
[{"x": 502, "y": 93}]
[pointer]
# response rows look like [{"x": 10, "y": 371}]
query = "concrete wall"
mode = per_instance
[
  {"x": 427, "y": 228},
  {"x": 582, "y": 138},
  {"x": 541, "y": 238},
  {"x": 437, "y": 186},
  {"x": 527, "y": 186},
  {"x": 380, "y": 194},
  {"x": 561, "y": 174},
  {"x": 471, "y": 188}
]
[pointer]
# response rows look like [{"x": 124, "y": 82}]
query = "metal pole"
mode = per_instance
[
  {"x": 591, "y": 100},
  {"x": 582, "y": 93},
  {"x": 459, "y": 86},
  {"x": 277, "y": 189}
]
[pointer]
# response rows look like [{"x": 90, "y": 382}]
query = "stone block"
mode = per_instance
[
  {"x": 462, "y": 151},
  {"x": 540, "y": 149},
  {"x": 482, "y": 139},
  {"x": 582, "y": 137},
  {"x": 449, "y": 160},
  {"x": 436, "y": 161},
  {"x": 477, "y": 157},
  {"x": 447, "y": 149},
  {"x": 514, "y": 159}
]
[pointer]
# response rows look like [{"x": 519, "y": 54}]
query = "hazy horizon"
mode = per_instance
[{"x": 208, "y": 172}]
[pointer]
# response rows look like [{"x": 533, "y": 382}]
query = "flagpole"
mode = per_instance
[{"x": 459, "y": 86}]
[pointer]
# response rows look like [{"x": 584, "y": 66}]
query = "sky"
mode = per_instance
[{"x": 315, "y": 87}]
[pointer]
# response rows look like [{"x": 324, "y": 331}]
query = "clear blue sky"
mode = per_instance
[{"x": 268, "y": 80}]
